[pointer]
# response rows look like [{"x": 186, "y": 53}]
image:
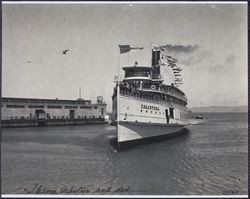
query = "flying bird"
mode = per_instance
[{"x": 65, "y": 51}]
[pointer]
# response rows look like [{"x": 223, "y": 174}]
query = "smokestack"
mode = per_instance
[{"x": 155, "y": 58}]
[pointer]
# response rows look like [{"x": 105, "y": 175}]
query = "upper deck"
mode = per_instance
[
  {"x": 137, "y": 73},
  {"x": 148, "y": 80}
]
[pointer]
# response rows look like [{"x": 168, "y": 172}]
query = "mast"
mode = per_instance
[
  {"x": 118, "y": 96},
  {"x": 80, "y": 96}
]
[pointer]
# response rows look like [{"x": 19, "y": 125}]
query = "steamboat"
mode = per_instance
[{"x": 147, "y": 103}]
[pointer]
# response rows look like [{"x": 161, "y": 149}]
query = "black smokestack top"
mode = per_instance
[
  {"x": 180, "y": 48},
  {"x": 155, "y": 58}
]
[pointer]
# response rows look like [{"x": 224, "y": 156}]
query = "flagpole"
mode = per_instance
[
  {"x": 117, "y": 99},
  {"x": 128, "y": 59},
  {"x": 118, "y": 69}
]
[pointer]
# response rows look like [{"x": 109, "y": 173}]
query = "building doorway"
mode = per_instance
[
  {"x": 40, "y": 114},
  {"x": 41, "y": 117},
  {"x": 71, "y": 114}
]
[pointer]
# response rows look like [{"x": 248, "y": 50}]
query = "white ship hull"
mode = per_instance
[
  {"x": 129, "y": 133},
  {"x": 138, "y": 119}
]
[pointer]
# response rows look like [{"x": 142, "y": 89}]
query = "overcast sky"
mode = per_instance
[{"x": 34, "y": 36}]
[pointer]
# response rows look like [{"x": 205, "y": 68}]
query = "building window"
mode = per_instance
[
  {"x": 141, "y": 110},
  {"x": 67, "y": 102},
  {"x": 35, "y": 106},
  {"x": 15, "y": 106},
  {"x": 36, "y": 101},
  {"x": 146, "y": 111},
  {"x": 85, "y": 107},
  {"x": 54, "y": 107},
  {"x": 127, "y": 108},
  {"x": 95, "y": 107},
  {"x": 70, "y": 107},
  {"x": 18, "y": 100}
]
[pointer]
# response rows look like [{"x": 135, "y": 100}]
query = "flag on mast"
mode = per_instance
[
  {"x": 128, "y": 48},
  {"x": 177, "y": 69}
]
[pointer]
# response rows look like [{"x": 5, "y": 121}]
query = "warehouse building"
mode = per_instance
[{"x": 31, "y": 108}]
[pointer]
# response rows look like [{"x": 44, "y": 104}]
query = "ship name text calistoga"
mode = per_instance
[{"x": 143, "y": 106}]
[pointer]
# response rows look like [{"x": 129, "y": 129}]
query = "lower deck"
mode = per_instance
[{"x": 133, "y": 109}]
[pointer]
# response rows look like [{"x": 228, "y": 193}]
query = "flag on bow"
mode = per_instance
[{"x": 128, "y": 48}]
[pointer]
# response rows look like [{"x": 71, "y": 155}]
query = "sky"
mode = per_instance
[{"x": 35, "y": 35}]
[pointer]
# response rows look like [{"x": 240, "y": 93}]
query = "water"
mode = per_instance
[{"x": 211, "y": 159}]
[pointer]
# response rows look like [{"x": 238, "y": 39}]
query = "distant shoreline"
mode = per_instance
[
  {"x": 223, "y": 112},
  {"x": 220, "y": 109}
]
